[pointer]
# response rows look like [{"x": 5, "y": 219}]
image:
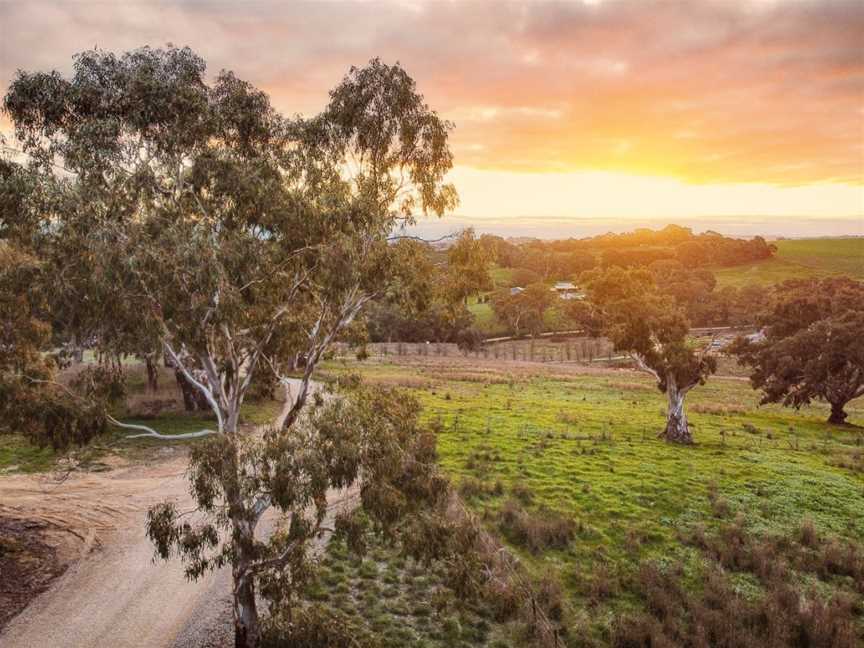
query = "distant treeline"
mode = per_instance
[
  {"x": 642, "y": 247},
  {"x": 678, "y": 259}
]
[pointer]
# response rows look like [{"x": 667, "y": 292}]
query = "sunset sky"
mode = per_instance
[{"x": 572, "y": 118}]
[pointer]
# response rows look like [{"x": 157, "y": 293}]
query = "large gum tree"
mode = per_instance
[
  {"x": 810, "y": 346},
  {"x": 245, "y": 243},
  {"x": 627, "y": 307}
]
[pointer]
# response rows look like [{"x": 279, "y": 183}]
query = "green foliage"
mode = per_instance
[
  {"x": 811, "y": 345},
  {"x": 32, "y": 403},
  {"x": 358, "y": 439},
  {"x": 426, "y": 301},
  {"x": 191, "y": 215},
  {"x": 467, "y": 273},
  {"x": 525, "y": 310},
  {"x": 629, "y": 308}
]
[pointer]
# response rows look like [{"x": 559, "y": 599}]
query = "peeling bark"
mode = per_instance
[
  {"x": 246, "y": 630},
  {"x": 677, "y": 429}
]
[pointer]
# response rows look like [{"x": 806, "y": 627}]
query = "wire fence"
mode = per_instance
[{"x": 571, "y": 350}]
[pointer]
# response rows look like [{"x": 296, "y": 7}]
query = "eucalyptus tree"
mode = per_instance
[
  {"x": 810, "y": 347},
  {"x": 242, "y": 240},
  {"x": 523, "y": 310},
  {"x": 32, "y": 401},
  {"x": 626, "y": 306}
]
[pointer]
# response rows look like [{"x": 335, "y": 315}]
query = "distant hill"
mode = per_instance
[{"x": 799, "y": 258}]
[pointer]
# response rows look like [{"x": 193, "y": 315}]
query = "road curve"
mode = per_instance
[{"x": 113, "y": 593}]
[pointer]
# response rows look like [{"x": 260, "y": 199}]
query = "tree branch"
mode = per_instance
[
  {"x": 640, "y": 362},
  {"x": 150, "y": 432},
  {"x": 208, "y": 394}
]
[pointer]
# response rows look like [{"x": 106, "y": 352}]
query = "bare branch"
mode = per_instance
[
  {"x": 643, "y": 366},
  {"x": 400, "y": 237},
  {"x": 150, "y": 432}
]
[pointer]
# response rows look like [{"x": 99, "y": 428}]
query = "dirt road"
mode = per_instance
[{"x": 113, "y": 594}]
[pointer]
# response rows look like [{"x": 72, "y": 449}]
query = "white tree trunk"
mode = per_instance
[
  {"x": 677, "y": 429},
  {"x": 246, "y": 628}
]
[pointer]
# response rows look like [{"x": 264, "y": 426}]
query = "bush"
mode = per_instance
[
  {"x": 313, "y": 627},
  {"x": 503, "y": 598},
  {"x": 535, "y": 532},
  {"x": 550, "y": 596},
  {"x": 470, "y": 487},
  {"x": 721, "y": 615}
]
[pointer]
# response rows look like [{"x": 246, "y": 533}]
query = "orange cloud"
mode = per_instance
[{"x": 708, "y": 92}]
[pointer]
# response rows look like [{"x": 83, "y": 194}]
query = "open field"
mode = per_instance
[
  {"x": 581, "y": 444},
  {"x": 799, "y": 259},
  {"x": 560, "y": 461}
]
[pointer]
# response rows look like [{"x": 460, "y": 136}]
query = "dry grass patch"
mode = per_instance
[
  {"x": 536, "y": 532},
  {"x": 717, "y": 410}
]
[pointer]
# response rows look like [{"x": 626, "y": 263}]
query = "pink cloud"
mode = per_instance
[{"x": 769, "y": 91}]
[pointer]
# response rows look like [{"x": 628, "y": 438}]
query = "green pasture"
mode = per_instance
[
  {"x": 586, "y": 447},
  {"x": 799, "y": 259}
]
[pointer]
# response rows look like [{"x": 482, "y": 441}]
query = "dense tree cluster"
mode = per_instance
[
  {"x": 429, "y": 303},
  {"x": 523, "y": 312},
  {"x": 695, "y": 291},
  {"x": 563, "y": 259},
  {"x": 542, "y": 258},
  {"x": 644, "y": 246}
]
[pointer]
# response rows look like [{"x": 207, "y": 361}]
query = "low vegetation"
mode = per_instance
[
  {"x": 568, "y": 470},
  {"x": 193, "y": 226},
  {"x": 384, "y": 599}
]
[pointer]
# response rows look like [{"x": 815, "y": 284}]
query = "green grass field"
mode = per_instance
[
  {"x": 579, "y": 445},
  {"x": 585, "y": 447},
  {"x": 799, "y": 259}
]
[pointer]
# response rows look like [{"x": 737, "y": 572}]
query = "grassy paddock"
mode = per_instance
[
  {"x": 401, "y": 602},
  {"x": 800, "y": 259},
  {"x": 584, "y": 447}
]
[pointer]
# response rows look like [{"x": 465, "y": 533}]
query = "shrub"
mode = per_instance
[
  {"x": 471, "y": 487},
  {"x": 522, "y": 493},
  {"x": 314, "y": 627},
  {"x": 503, "y": 598},
  {"x": 550, "y": 596},
  {"x": 536, "y": 532},
  {"x": 807, "y": 534},
  {"x": 782, "y": 616}
]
